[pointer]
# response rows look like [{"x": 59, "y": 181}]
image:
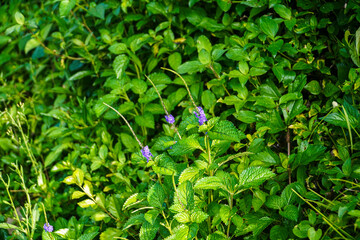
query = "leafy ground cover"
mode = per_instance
[{"x": 169, "y": 119}]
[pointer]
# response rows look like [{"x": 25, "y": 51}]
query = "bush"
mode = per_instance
[{"x": 264, "y": 139}]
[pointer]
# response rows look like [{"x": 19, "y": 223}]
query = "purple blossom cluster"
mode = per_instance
[
  {"x": 48, "y": 227},
  {"x": 146, "y": 153},
  {"x": 170, "y": 119},
  {"x": 202, "y": 118}
]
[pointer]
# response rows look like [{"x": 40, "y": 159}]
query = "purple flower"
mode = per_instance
[
  {"x": 201, "y": 116},
  {"x": 48, "y": 227},
  {"x": 170, "y": 119},
  {"x": 146, "y": 153}
]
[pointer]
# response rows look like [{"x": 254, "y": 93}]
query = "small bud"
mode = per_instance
[{"x": 335, "y": 104}]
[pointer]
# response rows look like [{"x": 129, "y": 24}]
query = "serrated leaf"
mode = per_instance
[
  {"x": 199, "y": 216},
  {"x": 148, "y": 231},
  {"x": 156, "y": 196},
  {"x": 185, "y": 146},
  {"x": 290, "y": 212},
  {"x": 225, "y": 214},
  {"x": 254, "y": 176},
  {"x": 120, "y": 64},
  {"x": 134, "y": 220},
  {"x": 224, "y": 130},
  {"x": 182, "y": 217},
  {"x": 151, "y": 216},
  {"x": 185, "y": 195},
  {"x": 188, "y": 174},
  {"x": 212, "y": 182}
]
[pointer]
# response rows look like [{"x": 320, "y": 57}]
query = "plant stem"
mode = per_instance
[
  {"x": 186, "y": 86},
  {"x": 127, "y": 123},
  {"x": 163, "y": 104},
  {"x": 231, "y": 199},
  {"x": 289, "y": 152}
]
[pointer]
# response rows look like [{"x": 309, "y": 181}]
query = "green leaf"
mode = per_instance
[
  {"x": 225, "y": 5},
  {"x": 182, "y": 217},
  {"x": 110, "y": 233},
  {"x": 120, "y": 64},
  {"x": 313, "y": 87},
  {"x": 98, "y": 11},
  {"x": 151, "y": 216},
  {"x": 9, "y": 226},
  {"x": 19, "y": 18},
  {"x": 156, "y": 196},
  {"x": 246, "y": 116},
  {"x": 185, "y": 195},
  {"x": 291, "y": 212},
  {"x": 185, "y": 146},
  {"x": 31, "y": 44},
  {"x": 86, "y": 203},
  {"x": 283, "y": 11},
  {"x": 66, "y": 6},
  {"x": 224, "y": 130},
  {"x": 204, "y": 57},
  {"x": 134, "y": 220},
  {"x": 80, "y": 75},
  {"x": 275, "y": 47},
  {"x": 199, "y": 216},
  {"x": 191, "y": 67},
  {"x": 148, "y": 231},
  {"x": 314, "y": 235},
  {"x": 77, "y": 194},
  {"x": 269, "y": 26},
  {"x": 188, "y": 174},
  {"x": 203, "y": 43},
  {"x": 209, "y": 183},
  {"x": 254, "y": 176},
  {"x": 208, "y": 99},
  {"x": 275, "y": 202},
  {"x": 78, "y": 175},
  {"x": 254, "y": 71},
  {"x": 156, "y": 8},
  {"x": 146, "y": 120},
  {"x": 118, "y": 48},
  {"x": 225, "y": 214},
  {"x": 175, "y": 60},
  {"x": 278, "y": 232},
  {"x": 138, "y": 86}
]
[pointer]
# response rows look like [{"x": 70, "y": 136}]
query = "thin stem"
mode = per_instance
[
  {"x": 167, "y": 223},
  {"x": 127, "y": 123},
  {"x": 333, "y": 226},
  {"x": 289, "y": 152},
  {"x": 161, "y": 100},
  {"x": 231, "y": 198},
  {"x": 218, "y": 77},
  {"x": 186, "y": 86},
  {"x": 12, "y": 203},
  {"x": 163, "y": 104},
  {"x": 104, "y": 209}
]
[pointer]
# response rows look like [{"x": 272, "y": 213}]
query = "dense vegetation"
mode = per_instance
[{"x": 265, "y": 142}]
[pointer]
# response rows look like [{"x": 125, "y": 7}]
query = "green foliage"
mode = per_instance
[{"x": 277, "y": 158}]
